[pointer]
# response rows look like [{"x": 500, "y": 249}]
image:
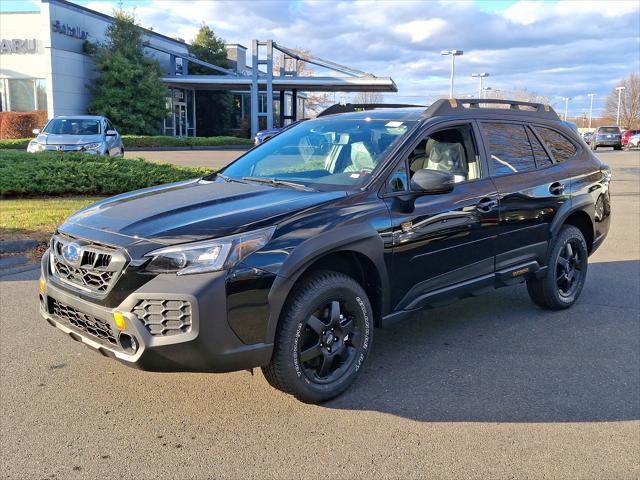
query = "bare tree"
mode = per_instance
[
  {"x": 368, "y": 97},
  {"x": 518, "y": 94},
  {"x": 629, "y": 102}
]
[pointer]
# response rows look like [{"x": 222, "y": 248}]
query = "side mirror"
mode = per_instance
[
  {"x": 36, "y": 131},
  {"x": 432, "y": 181},
  {"x": 111, "y": 133}
]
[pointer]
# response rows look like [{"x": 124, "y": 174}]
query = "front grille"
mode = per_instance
[
  {"x": 93, "y": 279},
  {"x": 164, "y": 317},
  {"x": 93, "y": 267},
  {"x": 84, "y": 322}
]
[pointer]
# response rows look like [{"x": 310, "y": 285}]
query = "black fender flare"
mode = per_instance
[
  {"x": 362, "y": 239},
  {"x": 582, "y": 203}
]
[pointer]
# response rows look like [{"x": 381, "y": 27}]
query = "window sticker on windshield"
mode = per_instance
[{"x": 393, "y": 124}]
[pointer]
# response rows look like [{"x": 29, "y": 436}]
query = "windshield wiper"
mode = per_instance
[
  {"x": 275, "y": 181},
  {"x": 224, "y": 177}
]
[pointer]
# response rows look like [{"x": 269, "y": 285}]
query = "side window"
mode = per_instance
[
  {"x": 398, "y": 180},
  {"x": 509, "y": 148},
  {"x": 561, "y": 148},
  {"x": 452, "y": 150},
  {"x": 539, "y": 153}
]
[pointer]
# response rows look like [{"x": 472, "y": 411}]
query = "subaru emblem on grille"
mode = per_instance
[{"x": 72, "y": 253}]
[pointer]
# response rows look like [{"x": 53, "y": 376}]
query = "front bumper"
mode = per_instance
[{"x": 207, "y": 345}]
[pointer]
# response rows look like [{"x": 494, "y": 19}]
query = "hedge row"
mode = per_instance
[
  {"x": 51, "y": 173},
  {"x": 149, "y": 142},
  {"x": 20, "y": 124}
]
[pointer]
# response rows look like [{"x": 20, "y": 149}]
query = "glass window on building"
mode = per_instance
[
  {"x": 23, "y": 94},
  {"x": 41, "y": 93}
]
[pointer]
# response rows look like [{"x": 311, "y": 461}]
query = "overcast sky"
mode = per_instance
[{"x": 566, "y": 48}]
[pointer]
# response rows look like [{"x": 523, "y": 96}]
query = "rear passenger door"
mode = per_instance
[{"x": 531, "y": 190}]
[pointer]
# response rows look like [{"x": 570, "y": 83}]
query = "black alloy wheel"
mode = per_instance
[
  {"x": 330, "y": 342},
  {"x": 569, "y": 268},
  {"x": 567, "y": 263},
  {"x": 323, "y": 337}
]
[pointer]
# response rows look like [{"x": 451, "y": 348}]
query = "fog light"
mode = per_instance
[
  {"x": 118, "y": 318},
  {"x": 42, "y": 285},
  {"x": 128, "y": 343}
]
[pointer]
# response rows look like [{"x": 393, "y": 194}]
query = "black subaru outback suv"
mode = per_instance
[{"x": 289, "y": 257}]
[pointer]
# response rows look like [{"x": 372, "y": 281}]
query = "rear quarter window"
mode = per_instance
[{"x": 561, "y": 148}]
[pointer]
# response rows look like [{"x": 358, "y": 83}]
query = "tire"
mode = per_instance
[
  {"x": 566, "y": 274},
  {"x": 617, "y": 148},
  {"x": 329, "y": 302}
]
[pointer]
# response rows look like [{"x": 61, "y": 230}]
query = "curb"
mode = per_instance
[{"x": 171, "y": 149}]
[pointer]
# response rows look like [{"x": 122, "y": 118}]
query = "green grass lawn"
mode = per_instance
[{"x": 37, "y": 218}]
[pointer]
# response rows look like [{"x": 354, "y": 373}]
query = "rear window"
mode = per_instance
[
  {"x": 541, "y": 156},
  {"x": 561, "y": 148},
  {"x": 608, "y": 130},
  {"x": 509, "y": 148}
]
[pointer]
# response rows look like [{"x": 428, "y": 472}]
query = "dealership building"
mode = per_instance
[{"x": 43, "y": 66}]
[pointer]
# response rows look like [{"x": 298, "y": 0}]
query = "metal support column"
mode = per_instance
[
  {"x": 254, "y": 88},
  {"x": 269, "y": 84},
  {"x": 294, "y": 104}
]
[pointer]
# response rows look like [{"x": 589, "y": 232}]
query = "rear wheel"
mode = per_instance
[
  {"x": 617, "y": 148},
  {"x": 323, "y": 338},
  {"x": 567, "y": 271}
]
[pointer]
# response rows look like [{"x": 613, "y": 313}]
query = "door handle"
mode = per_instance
[
  {"x": 487, "y": 204},
  {"x": 556, "y": 188}
]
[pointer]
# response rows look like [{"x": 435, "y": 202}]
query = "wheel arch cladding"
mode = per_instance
[
  {"x": 579, "y": 212},
  {"x": 356, "y": 250},
  {"x": 582, "y": 221}
]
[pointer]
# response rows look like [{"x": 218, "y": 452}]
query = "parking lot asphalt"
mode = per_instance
[{"x": 489, "y": 387}]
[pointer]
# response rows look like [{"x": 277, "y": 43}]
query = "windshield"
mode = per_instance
[
  {"x": 609, "y": 130},
  {"x": 73, "y": 126},
  {"x": 332, "y": 151}
]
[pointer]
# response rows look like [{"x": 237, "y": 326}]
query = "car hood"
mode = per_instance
[
  {"x": 195, "y": 210},
  {"x": 53, "y": 139}
]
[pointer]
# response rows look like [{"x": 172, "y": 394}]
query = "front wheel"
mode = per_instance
[
  {"x": 567, "y": 271},
  {"x": 323, "y": 338}
]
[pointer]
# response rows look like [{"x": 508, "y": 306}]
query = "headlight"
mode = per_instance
[
  {"x": 92, "y": 146},
  {"x": 209, "y": 255},
  {"x": 34, "y": 146}
]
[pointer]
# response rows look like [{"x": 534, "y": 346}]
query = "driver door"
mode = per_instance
[{"x": 442, "y": 242}]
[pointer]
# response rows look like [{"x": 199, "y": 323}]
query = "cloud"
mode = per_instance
[{"x": 556, "y": 49}]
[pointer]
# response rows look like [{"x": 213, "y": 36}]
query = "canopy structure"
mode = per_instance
[{"x": 260, "y": 77}]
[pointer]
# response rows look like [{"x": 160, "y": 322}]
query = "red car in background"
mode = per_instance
[{"x": 627, "y": 134}]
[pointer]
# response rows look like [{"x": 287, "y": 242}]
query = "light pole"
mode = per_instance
[
  {"x": 566, "y": 106},
  {"x": 480, "y": 76},
  {"x": 590, "y": 107},
  {"x": 619, "y": 89},
  {"x": 454, "y": 54}
]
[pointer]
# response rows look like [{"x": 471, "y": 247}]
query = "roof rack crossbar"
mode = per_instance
[{"x": 458, "y": 106}]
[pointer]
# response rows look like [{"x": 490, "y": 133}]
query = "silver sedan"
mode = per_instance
[{"x": 87, "y": 134}]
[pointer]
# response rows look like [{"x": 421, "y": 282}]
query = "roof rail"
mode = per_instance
[
  {"x": 360, "y": 107},
  {"x": 473, "y": 106}
]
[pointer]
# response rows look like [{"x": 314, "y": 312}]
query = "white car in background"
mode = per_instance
[
  {"x": 634, "y": 141},
  {"x": 86, "y": 134}
]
